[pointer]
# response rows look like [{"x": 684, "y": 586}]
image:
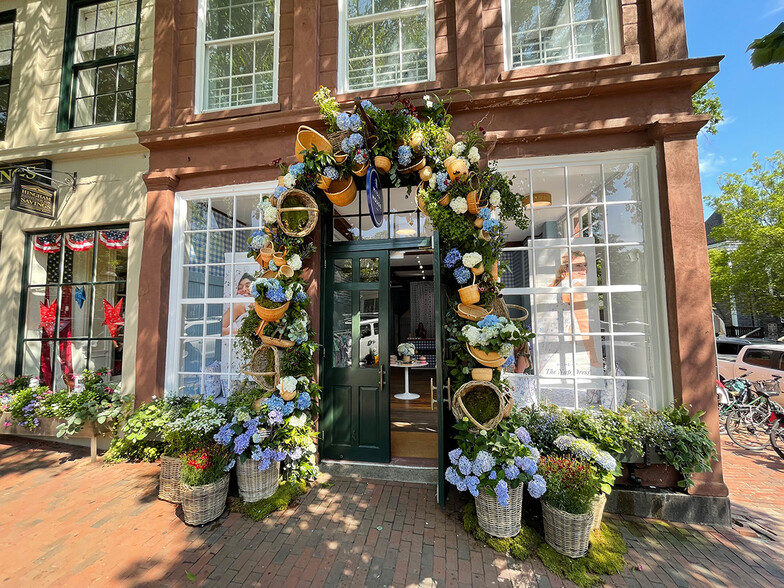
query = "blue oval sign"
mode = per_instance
[{"x": 375, "y": 197}]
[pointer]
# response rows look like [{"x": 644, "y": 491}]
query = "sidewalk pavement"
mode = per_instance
[{"x": 66, "y": 522}]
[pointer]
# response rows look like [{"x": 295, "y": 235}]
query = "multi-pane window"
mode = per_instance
[
  {"x": 240, "y": 53},
  {"x": 386, "y": 43},
  {"x": 588, "y": 269},
  {"x": 401, "y": 219},
  {"x": 6, "y": 62},
  {"x": 99, "y": 72},
  {"x": 210, "y": 289},
  {"x": 74, "y": 299},
  {"x": 551, "y": 31}
]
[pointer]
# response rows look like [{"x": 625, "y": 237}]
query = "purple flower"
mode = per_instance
[
  {"x": 275, "y": 417},
  {"x": 522, "y": 434}
]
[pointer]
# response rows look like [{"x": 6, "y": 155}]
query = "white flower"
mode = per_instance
[
  {"x": 472, "y": 259},
  {"x": 432, "y": 181},
  {"x": 289, "y": 293},
  {"x": 288, "y": 383},
  {"x": 298, "y": 421},
  {"x": 459, "y": 205},
  {"x": 472, "y": 333},
  {"x": 495, "y": 198},
  {"x": 270, "y": 214},
  {"x": 473, "y": 155},
  {"x": 289, "y": 180},
  {"x": 458, "y": 148},
  {"x": 295, "y": 262}
]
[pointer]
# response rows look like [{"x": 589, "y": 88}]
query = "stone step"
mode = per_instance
[{"x": 360, "y": 470}]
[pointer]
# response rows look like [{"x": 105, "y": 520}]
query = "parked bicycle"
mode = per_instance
[{"x": 750, "y": 424}]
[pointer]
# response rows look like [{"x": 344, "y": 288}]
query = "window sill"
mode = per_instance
[
  {"x": 233, "y": 113},
  {"x": 389, "y": 91},
  {"x": 532, "y": 71},
  {"x": 97, "y": 132}
]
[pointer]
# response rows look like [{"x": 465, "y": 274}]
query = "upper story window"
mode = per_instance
[
  {"x": 239, "y": 53},
  {"x": 99, "y": 63},
  {"x": 385, "y": 43},
  {"x": 552, "y": 31},
  {"x": 6, "y": 60}
]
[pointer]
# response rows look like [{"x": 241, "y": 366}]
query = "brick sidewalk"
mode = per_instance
[{"x": 66, "y": 522}]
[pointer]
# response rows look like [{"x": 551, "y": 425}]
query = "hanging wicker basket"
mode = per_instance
[
  {"x": 342, "y": 192},
  {"x": 279, "y": 257},
  {"x": 471, "y": 312},
  {"x": 482, "y": 374},
  {"x": 304, "y": 202},
  {"x": 382, "y": 163},
  {"x": 202, "y": 504},
  {"x": 457, "y": 169},
  {"x": 264, "y": 367},
  {"x": 255, "y": 484},
  {"x": 271, "y": 315},
  {"x": 264, "y": 256},
  {"x": 475, "y": 202},
  {"x": 488, "y": 359},
  {"x": 567, "y": 533},
  {"x": 169, "y": 486},
  {"x": 336, "y": 140},
  {"x": 460, "y": 411},
  {"x": 497, "y": 520},
  {"x": 273, "y": 341},
  {"x": 426, "y": 173},
  {"x": 478, "y": 270},
  {"x": 359, "y": 170},
  {"x": 469, "y": 294},
  {"x": 306, "y": 138},
  {"x": 500, "y": 308},
  {"x": 414, "y": 168}
]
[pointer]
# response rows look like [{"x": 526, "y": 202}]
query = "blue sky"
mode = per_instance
[{"x": 752, "y": 99}]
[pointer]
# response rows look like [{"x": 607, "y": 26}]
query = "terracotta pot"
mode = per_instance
[
  {"x": 383, "y": 164},
  {"x": 426, "y": 173}
]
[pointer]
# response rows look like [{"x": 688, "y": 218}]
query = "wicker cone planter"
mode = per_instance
[
  {"x": 597, "y": 508},
  {"x": 567, "y": 533},
  {"x": 169, "y": 486},
  {"x": 497, "y": 520},
  {"x": 271, "y": 315},
  {"x": 202, "y": 504},
  {"x": 257, "y": 484},
  {"x": 342, "y": 192}
]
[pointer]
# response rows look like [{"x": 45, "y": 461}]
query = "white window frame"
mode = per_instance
[
  {"x": 613, "y": 29},
  {"x": 200, "y": 104},
  {"x": 343, "y": 87},
  {"x": 660, "y": 381},
  {"x": 176, "y": 299}
]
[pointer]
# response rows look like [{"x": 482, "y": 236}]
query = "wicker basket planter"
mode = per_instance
[
  {"x": 475, "y": 202},
  {"x": 597, "y": 508},
  {"x": 491, "y": 359},
  {"x": 469, "y": 294},
  {"x": 169, "y": 485},
  {"x": 306, "y": 138},
  {"x": 264, "y": 256},
  {"x": 497, "y": 520},
  {"x": 471, "y": 312},
  {"x": 342, "y": 192},
  {"x": 459, "y": 409},
  {"x": 567, "y": 533},
  {"x": 426, "y": 173},
  {"x": 457, "y": 169},
  {"x": 271, "y": 315},
  {"x": 304, "y": 202},
  {"x": 444, "y": 200},
  {"x": 257, "y": 484},
  {"x": 382, "y": 163},
  {"x": 264, "y": 367},
  {"x": 202, "y": 504}
]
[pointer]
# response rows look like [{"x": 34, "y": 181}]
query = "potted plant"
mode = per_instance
[
  {"x": 406, "y": 350},
  {"x": 493, "y": 467},
  {"x": 492, "y": 340},
  {"x": 204, "y": 484},
  {"x": 572, "y": 486}
]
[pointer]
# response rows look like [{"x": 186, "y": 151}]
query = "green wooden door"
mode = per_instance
[
  {"x": 355, "y": 401},
  {"x": 444, "y": 416}
]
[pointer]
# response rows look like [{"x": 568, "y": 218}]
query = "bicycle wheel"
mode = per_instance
[
  {"x": 777, "y": 438},
  {"x": 747, "y": 427}
]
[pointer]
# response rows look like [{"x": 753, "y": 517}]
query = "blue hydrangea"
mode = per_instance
[
  {"x": 224, "y": 435},
  {"x": 535, "y": 455},
  {"x": 442, "y": 181},
  {"x": 241, "y": 442},
  {"x": 464, "y": 465},
  {"x": 502, "y": 493},
  {"x": 483, "y": 463},
  {"x": 297, "y": 169},
  {"x": 462, "y": 275},
  {"x": 275, "y": 417},
  {"x": 461, "y": 485},
  {"x": 472, "y": 483},
  {"x": 361, "y": 156},
  {"x": 512, "y": 472},
  {"x": 523, "y": 435},
  {"x": 452, "y": 476},
  {"x": 296, "y": 453},
  {"x": 509, "y": 362},
  {"x": 526, "y": 464},
  {"x": 537, "y": 486},
  {"x": 257, "y": 453},
  {"x": 485, "y": 213},
  {"x": 303, "y": 401},
  {"x": 256, "y": 243},
  {"x": 288, "y": 408},
  {"x": 490, "y": 224},
  {"x": 273, "y": 266},
  {"x": 230, "y": 465},
  {"x": 279, "y": 191},
  {"x": 345, "y": 145},
  {"x": 489, "y": 321},
  {"x": 606, "y": 461},
  {"x": 356, "y": 140},
  {"x": 453, "y": 258},
  {"x": 278, "y": 455},
  {"x": 404, "y": 155},
  {"x": 343, "y": 120},
  {"x": 369, "y": 106},
  {"x": 275, "y": 402},
  {"x": 493, "y": 475},
  {"x": 330, "y": 172},
  {"x": 300, "y": 297},
  {"x": 355, "y": 122},
  {"x": 276, "y": 294},
  {"x": 454, "y": 455}
]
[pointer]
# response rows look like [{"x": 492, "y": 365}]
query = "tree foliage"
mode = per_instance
[
  {"x": 768, "y": 49},
  {"x": 706, "y": 101},
  {"x": 752, "y": 207}
]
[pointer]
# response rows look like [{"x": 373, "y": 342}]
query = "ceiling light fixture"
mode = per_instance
[
  {"x": 539, "y": 199},
  {"x": 406, "y": 232}
]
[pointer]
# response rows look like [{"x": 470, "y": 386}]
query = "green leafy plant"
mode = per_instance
[
  {"x": 328, "y": 107},
  {"x": 194, "y": 429},
  {"x": 98, "y": 403},
  {"x": 572, "y": 484}
]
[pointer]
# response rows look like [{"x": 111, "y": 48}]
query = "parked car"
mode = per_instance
[{"x": 754, "y": 361}]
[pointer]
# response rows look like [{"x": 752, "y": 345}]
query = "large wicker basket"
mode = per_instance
[
  {"x": 169, "y": 487},
  {"x": 598, "y": 510},
  {"x": 497, "y": 520},
  {"x": 342, "y": 192},
  {"x": 567, "y": 533},
  {"x": 264, "y": 367},
  {"x": 306, "y": 138},
  {"x": 460, "y": 411},
  {"x": 257, "y": 484},
  {"x": 305, "y": 203},
  {"x": 202, "y": 504}
]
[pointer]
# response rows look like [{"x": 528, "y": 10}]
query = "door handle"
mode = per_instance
[
  {"x": 433, "y": 399},
  {"x": 381, "y": 376}
]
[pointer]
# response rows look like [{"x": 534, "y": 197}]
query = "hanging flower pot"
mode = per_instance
[
  {"x": 491, "y": 359},
  {"x": 421, "y": 205},
  {"x": 273, "y": 341},
  {"x": 484, "y": 235},
  {"x": 426, "y": 173},
  {"x": 342, "y": 192},
  {"x": 359, "y": 170},
  {"x": 306, "y": 138},
  {"x": 478, "y": 270},
  {"x": 415, "y": 142},
  {"x": 449, "y": 141},
  {"x": 263, "y": 257},
  {"x": 469, "y": 294},
  {"x": 297, "y": 214},
  {"x": 444, "y": 201},
  {"x": 482, "y": 374},
  {"x": 279, "y": 257},
  {"x": 383, "y": 164},
  {"x": 479, "y": 223},
  {"x": 271, "y": 315},
  {"x": 475, "y": 202},
  {"x": 414, "y": 168},
  {"x": 457, "y": 169},
  {"x": 288, "y": 391},
  {"x": 324, "y": 182}
]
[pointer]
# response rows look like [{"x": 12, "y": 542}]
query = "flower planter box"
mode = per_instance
[{"x": 48, "y": 428}]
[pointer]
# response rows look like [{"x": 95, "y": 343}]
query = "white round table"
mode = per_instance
[{"x": 408, "y": 395}]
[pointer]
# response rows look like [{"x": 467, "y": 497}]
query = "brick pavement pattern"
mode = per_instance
[{"x": 66, "y": 522}]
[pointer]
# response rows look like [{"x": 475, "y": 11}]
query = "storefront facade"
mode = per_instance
[{"x": 599, "y": 122}]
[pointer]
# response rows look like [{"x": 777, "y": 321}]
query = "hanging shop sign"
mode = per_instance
[
  {"x": 26, "y": 169},
  {"x": 32, "y": 197},
  {"x": 375, "y": 197}
]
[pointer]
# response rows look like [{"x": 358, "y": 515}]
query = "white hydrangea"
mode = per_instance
[
  {"x": 472, "y": 333},
  {"x": 295, "y": 262},
  {"x": 432, "y": 181},
  {"x": 270, "y": 214},
  {"x": 506, "y": 349},
  {"x": 509, "y": 329},
  {"x": 495, "y": 198},
  {"x": 473, "y": 155},
  {"x": 287, "y": 383},
  {"x": 289, "y": 180},
  {"x": 289, "y": 292},
  {"x": 298, "y": 421},
  {"x": 458, "y": 148},
  {"x": 472, "y": 259},
  {"x": 459, "y": 205}
]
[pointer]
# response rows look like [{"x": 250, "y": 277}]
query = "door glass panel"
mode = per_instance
[
  {"x": 341, "y": 323},
  {"x": 368, "y": 327},
  {"x": 368, "y": 269},
  {"x": 343, "y": 271}
]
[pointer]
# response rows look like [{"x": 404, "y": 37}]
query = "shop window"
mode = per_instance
[
  {"x": 401, "y": 219},
  {"x": 588, "y": 269},
  {"x": 74, "y": 298},
  {"x": 210, "y": 289},
  {"x": 6, "y": 63},
  {"x": 385, "y": 43},
  {"x": 238, "y": 53},
  {"x": 99, "y": 64},
  {"x": 553, "y": 31}
]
